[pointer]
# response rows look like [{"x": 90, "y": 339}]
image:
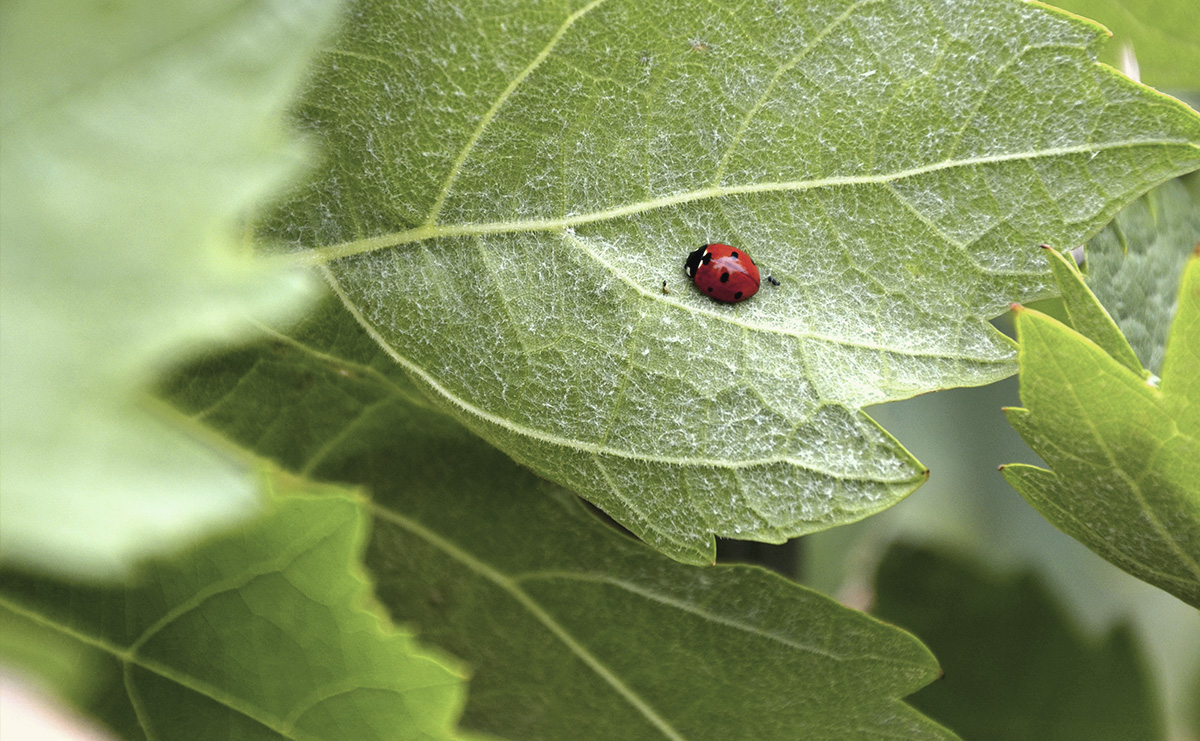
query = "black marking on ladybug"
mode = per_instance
[
  {"x": 737, "y": 296},
  {"x": 710, "y": 289},
  {"x": 725, "y": 277},
  {"x": 734, "y": 255},
  {"x": 707, "y": 258}
]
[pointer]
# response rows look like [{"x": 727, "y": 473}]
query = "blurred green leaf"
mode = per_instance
[
  {"x": 262, "y": 633},
  {"x": 1161, "y": 32},
  {"x": 1134, "y": 265},
  {"x": 135, "y": 135},
  {"x": 510, "y": 184},
  {"x": 573, "y": 630},
  {"x": 1124, "y": 456},
  {"x": 1016, "y": 667}
]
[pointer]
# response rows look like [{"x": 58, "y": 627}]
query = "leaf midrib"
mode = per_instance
[
  {"x": 327, "y": 254},
  {"x": 682, "y": 606}
]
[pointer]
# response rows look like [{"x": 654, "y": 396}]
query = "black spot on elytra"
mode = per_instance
[
  {"x": 737, "y": 296},
  {"x": 710, "y": 289},
  {"x": 725, "y": 277},
  {"x": 707, "y": 258},
  {"x": 733, "y": 255}
]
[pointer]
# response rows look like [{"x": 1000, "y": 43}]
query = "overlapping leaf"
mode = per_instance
[
  {"x": 1124, "y": 456},
  {"x": 1017, "y": 668},
  {"x": 1134, "y": 265},
  {"x": 572, "y": 630},
  {"x": 262, "y": 633},
  {"x": 509, "y": 185},
  {"x": 135, "y": 134}
]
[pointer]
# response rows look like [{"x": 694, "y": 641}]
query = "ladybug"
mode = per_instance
[{"x": 722, "y": 272}]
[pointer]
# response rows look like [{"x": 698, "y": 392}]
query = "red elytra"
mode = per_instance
[{"x": 722, "y": 272}]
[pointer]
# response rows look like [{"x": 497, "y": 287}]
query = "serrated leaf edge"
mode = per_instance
[{"x": 1024, "y": 317}]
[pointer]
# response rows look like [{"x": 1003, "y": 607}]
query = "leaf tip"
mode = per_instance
[{"x": 1016, "y": 308}]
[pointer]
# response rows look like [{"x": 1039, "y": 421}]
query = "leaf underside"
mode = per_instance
[
  {"x": 1133, "y": 266},
  {"x": 507, "y": 187}
]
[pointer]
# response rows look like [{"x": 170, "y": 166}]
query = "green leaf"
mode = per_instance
[
  {"x": 509, "y": 185},
  {"x": 572, "y": 630},
  {"x": 1086, "y": 314},
  {"x": 261, "y": 633},
  {"x": 1124, "y": 456},
  {"x": 135, "y": 135},
  {"x": 1180, "y": 379},
  {"x": 1134, "y": 265},
  {"x": 1161, "y": 32},
  {"x": 1016, "y": 666}
]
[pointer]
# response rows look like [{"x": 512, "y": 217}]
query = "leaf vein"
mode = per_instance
[
  {"x": 780, "y": 71},
  {"x": 513, "y": 589},
  {"x": 484, "y": 122},
  {"x": 332, "y": 253}
]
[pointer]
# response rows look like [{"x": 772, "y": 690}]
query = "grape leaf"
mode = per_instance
[
  {"x": 261, "y": 633},
  {"x": 1016, "y": 666},
  {"x": 1124, "y": 456},
  {"x": 572, "y": 630},
  {"x": 1134, "y": 265},
  {"x": 509, "y": 185},
  {"x": 135, "y": 135}
]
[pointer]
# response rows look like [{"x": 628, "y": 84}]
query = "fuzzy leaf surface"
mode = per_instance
[
  {"x": 1135, "y": 264},
  {"x": 135, "y": 136},
  {"x": 988, "y": 629},
  {"x": 571, "y": 629},
  {"x": 509, "y": 185},
  {"x": 263, "y": 633},
  {"x": 1124, "y": 456}
]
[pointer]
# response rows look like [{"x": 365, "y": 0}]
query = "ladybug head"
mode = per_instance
[{"x": 693, "y": 260}]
